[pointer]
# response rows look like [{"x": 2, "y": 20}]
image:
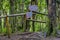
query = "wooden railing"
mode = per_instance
[{"x": 24, "y": 20}]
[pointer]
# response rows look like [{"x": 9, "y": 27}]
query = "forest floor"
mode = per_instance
[{"x": 27, "y": 36}]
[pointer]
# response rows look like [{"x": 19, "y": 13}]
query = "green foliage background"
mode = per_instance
[{"x": 21, "y": 6}]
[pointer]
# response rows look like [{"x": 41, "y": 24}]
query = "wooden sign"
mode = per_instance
[
  {"x": 33, "y": 8},
  {"x": 28, "y": 14}
]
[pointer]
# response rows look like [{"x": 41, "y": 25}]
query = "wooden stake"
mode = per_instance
[{"x": 8, "y": 27}]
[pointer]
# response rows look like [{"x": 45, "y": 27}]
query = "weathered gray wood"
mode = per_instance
[
  {"x": 34, "y": 12},
  {"x": 13, "y": 15},
  {"x": 21, "y": 14}
]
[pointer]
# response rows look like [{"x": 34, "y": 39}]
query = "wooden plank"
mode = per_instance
[
  {"x": 3, "y": 16},
  {"x": 13, "y": 15},
  {"x": 34, "y": 12},
  {"x": 36, "y": 21},
  {"x": 22, "y": 14}
]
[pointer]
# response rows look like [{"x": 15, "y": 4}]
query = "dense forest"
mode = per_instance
[{"x": 46, "y": 18}]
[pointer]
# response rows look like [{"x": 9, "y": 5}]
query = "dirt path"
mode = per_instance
[{"x": 27, "y": 37}]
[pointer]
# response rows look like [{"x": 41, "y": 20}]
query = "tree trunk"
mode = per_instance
[{"x": 52, "y": 15}]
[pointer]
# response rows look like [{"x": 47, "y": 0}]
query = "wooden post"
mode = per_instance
[
  {"x": 52, "y": 15},
  {"x": 27, "y": 26},
  {"x": 24, "y": 22},
  {"x": 8, "y": 27},
  {"x": 33, "y": 16}
]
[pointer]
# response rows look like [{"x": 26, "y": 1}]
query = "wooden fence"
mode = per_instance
[{"x": 24, "y": 20}]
